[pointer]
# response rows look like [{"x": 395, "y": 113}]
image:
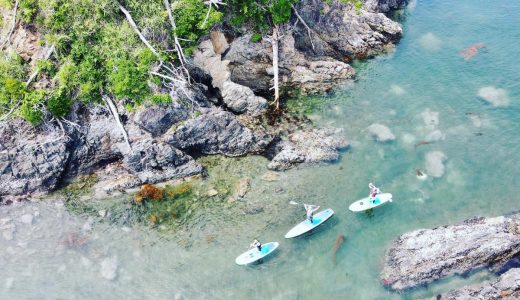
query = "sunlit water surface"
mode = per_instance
[{"x": 48, "y": 253}]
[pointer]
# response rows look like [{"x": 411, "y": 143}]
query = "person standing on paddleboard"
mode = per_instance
[
  {"x": 374, "y": 190},
  {"x": 310, "y": 209},
  {"x": 256, "y": 243}
]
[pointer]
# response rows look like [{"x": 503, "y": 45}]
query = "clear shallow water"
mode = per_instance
[{"x": 40, "y": 261}]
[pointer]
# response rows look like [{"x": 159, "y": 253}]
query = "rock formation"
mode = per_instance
[
  {"x": 422, "y": 256},
  {"x": 507, "y": 286}
]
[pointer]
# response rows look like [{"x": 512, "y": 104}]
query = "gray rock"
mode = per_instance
[
  {"x": 157, "y": 119},
  {"x": 507, "y": 286},
  {"x": 341, "y": 32},
  {"x": 109, "y": 267},
  {"x": 31, "y": 159},
  {"x": 153, "y": 161},
  {"x": 308, "y": 146},
  {"x": 384, "y": 5},
  {"x": 422, "y": 256},
  {"x": 241, "y": 99},
  {"x": 250, "y": 65},
  {"x": 238, "y": 98},
  {"x": 99, "y": 142},
  {"x": 217, "y": 132}
]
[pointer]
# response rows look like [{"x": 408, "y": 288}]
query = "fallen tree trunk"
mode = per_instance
[
  {"x": 274, "y": 44},
  {"x": 113, "y": 110}
]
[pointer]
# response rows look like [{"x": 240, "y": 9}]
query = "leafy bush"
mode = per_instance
[{"x": 256, "y": 37}]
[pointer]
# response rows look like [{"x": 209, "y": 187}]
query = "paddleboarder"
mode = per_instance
[
  {"x": 310, "y": 209},
  {"x": 256, "y": 243},
  {"x": 374, "y": 190}
]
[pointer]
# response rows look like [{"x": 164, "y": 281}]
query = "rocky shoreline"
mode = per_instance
[
  {"x": 422, "y": 256},
  {"x": 507, "y": 286},
  {"x": 218, "y": 115}
]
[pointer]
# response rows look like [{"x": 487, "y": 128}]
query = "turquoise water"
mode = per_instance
[{"x": 426, "y": 73}]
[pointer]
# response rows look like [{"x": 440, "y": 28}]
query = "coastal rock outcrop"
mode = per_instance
[
  {"x": 238, "y": 98},
  {"x": 217, "y": 132},
  {"x": 422, "y": 256},
  {"x": 308, "y": 146},
  {"x": 313, "y": 59},
  {"x": 31, "y": 159},
  {"x": 507, "y": 286},
  {"x": 384, "y": 5},
  {"x": 157, "y": 119}
]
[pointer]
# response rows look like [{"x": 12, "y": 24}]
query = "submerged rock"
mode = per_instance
[
  {"x": 435, "y": 136},
  {"x": 109, "y": 267},
  {"x": 507, "y": 286},
  {"x": 495, "y": 96},
  {"x": 435, "y": 163},
  {"x": 422, "y": 256},
  {"x": 430, "y": 118},
  {"x": 212, "y": 192},
  {"x": 308, "y": 146},
  {"x": 381, "y": 133},
  {"x": 271, "y": 176},
  {"x": 242, "y": 188}
]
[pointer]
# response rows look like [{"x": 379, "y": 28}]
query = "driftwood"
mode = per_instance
[
  {"x": 15, "y": 9},
  {"x": 309, "y": 30},
  {"x": 275, "y": 37},
  {"x": 113, "y": 110},
  {"x": 178, "y": 47},
  {"x": 136, "y": 29}
]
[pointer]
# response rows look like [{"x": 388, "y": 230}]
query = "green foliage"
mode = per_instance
[
  {"x": 256, "y": 37},
  {"x": 59, "y": 103},
  {"x": 96, "y": 52},
  {"x": 28, "y": 10},
  {"x": 31, "y": 108},
  {"x": 46, "y": 66},
  {"x": 260, "y": 14},
  {"x": 7, "y": 4},
  {"x": 161, "y": 99},
  {"x": 189, "y": 17}
]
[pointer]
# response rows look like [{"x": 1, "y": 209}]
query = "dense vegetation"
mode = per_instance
[{"x": 96, "y": 52}]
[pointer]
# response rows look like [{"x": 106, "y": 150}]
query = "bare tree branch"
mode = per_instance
[
  {"x": 136, "y": 29},
  {"x": 274, "y": 43},
  {"x": 113, "y": 109},
  {"x": 180, "y": 51},
  {"x": 12, "y": 26},
  {"x": 304, "y": 24}
]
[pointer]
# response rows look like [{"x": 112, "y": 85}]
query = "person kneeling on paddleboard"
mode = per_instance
[
  {"x": 374, "y": 190},
  {"x": 310, "y": 209},
  {"x": 256, "y": 243}
]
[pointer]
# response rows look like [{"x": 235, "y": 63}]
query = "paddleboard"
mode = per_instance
[
  {"x": 306, "y": 225},
  {"x": 365, "y": 203},
  {"x": 253, "y": 255}
]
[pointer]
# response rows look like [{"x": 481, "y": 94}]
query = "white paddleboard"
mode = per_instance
[
  {"x": 306, "y": 225},
  {"x": 253, "y": 255},
  {"x": 365, "y": 203}
]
